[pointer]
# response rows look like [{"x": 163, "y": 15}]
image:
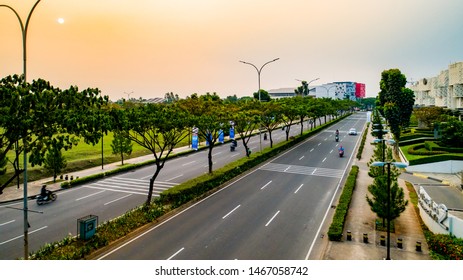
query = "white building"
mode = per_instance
[
  {"x": 443, "y": 90},
  {"x": 335, "y": 90}
]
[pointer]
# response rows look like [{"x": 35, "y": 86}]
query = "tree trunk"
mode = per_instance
[
  {"x": 152, "y": 179},
  {"x": 209, "y": 158}
]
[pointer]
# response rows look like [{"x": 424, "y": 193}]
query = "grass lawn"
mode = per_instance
[{"x": 80, "y": 157}]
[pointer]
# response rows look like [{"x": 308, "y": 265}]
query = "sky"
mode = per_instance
[{"x": 146, "y": 48}]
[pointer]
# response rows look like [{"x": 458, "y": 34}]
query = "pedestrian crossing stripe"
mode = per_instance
[
  {"x": 303, "y": 170},
  {"x": 129, "y": 185}
]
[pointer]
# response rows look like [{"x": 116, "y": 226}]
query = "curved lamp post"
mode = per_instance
[
  {"x": 328, "y": 90},
  {"x": 388, "y": 207},
  {"x": 308, "y": 84},
  {"x": 259, "y": 70},
  {"x": 24, "y": 40}
]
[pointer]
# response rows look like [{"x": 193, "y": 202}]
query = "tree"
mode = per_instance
[
  {"x": 270, "y": 117},
  {"x": 428, "y": 115},
  {"x": 245, "y": 117},
  {"x": 158, "y": 128},
  {"x": 394, "y": 101},
  {"x": 169, "y": 97},
  {"x": 54, "y": 160},
  {"x": 452, "y": 133},
  {"x": 34, "y": 115},
  {"x": 121, "y": 145},
  {"x": 209, "y": 116},
  {"x": 264, "y": 96},
  {"x": 302, "y": 90},
  {"x": 288, "y": 109},
  {"x": 378, "y": 201}
]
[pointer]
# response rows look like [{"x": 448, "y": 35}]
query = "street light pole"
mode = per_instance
[
  {"x": 259, "y": 70},
  {"x": 24, "y": 41},
  {"x": 388, "y": 202},
  {"x": 388, "y": 212}
]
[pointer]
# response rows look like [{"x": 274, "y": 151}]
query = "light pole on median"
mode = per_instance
[
  {"x": 259, "y": 70},
  {"x": 24, "y": 42},
  {"x": 388, "y": 202}
]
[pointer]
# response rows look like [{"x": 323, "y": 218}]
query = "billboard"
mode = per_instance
[{"x": 359, "y": 90}]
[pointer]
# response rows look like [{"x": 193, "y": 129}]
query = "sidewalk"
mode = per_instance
[{"x": 361, "y": 220}]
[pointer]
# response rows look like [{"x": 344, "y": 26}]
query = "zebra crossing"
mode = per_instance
[
  {"x": 129, "y": 185},
  {"x": 303, "y": 170}
]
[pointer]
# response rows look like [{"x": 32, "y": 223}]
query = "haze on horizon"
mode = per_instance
[{"x": 147, "y": 48}]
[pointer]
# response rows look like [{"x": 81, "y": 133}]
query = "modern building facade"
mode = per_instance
[
  {"x": 444, "y": 90},
  {"x": 335, "y": 90}
]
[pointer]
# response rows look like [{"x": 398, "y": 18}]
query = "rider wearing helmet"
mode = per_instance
[{"x": 44, "y": 192}]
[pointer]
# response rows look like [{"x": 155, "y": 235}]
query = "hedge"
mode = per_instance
[{"x": 339, "y": 218}]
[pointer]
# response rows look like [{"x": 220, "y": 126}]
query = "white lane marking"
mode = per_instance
[
  {"x": 216, "y": 154},
  {"x": 231, "y": 211},
  {"x": 331, "y": 151},
  {"x": 299, "y": 188},
  {"x": 235, "y": 155},
  {"x": 117, "y": 199},
  {"x": 178, "y": 252},
  {"x": 174, "y": 177},
  {"x": 287, "y": 168},
  {"x": 324, "y": 160},
  {"x": 314, "y": 171},
  {"x": 268, "y": 223},
  {"x": 188, "y": 163},
  {"x": 21, "y": 236},
  {"x": 265, "y": 185},
  {"x": 319, "y": 144},
  {"x": 311, "y": 150},
  {"x": 89, "y": 195},
  {"x": 301, "y": 158},
  {"x": 12, "y": 221}
]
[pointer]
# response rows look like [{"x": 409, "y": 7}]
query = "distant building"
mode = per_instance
[
  {"x": 444, "y": 90},
  {"x": 335, "y": 90}
]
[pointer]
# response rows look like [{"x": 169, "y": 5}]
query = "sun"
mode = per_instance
[{"x": 61, "y": 20}]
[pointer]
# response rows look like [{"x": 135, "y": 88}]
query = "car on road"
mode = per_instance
[{"x": 352, "y": 131}]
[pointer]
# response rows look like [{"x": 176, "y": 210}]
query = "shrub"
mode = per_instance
[{"x": 339, "y": 218}]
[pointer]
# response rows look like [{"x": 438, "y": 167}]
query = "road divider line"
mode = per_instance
[
  {"x": 301, "y": 158},
  {"x": 89, "y": 195},
  {"x": 231, "y": 211},
  {"x": 287, "y": 168},
  {"x": 313, "y": 172},
  {"x": 188, "y": 163},
  {"x": 311, "y": 150},
  {"x": 299, "y": 188},
  {"x": 117, "y": 199},
  {"x": 21, "y": 236},
  {"x": 174, "y": 178},
  {"x": 331, "y": 151},
  {"x": 324, "y": 160},
  {"x": 178, "y": 252},
  {"x": 265, "y": 185},
  {"x": 12, "y": 221},
  {"x": 268, "y": 223}
]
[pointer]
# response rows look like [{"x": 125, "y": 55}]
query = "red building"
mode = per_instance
[{"x": 359, "y": 90}]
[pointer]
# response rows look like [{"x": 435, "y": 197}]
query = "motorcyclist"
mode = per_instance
[
  {"x": 44, "y": 192},
  {"x": 337, "y": 132},
  {"x": 341, "y": 148}
]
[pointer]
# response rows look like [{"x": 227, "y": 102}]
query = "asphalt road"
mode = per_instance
[
  {"x": 107, "y": 198},
  {"x": 274, "y": 212}
]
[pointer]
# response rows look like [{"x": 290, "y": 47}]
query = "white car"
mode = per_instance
[{"x": 352, "y": 131}]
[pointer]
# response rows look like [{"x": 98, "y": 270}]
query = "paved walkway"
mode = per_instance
[{"x": 361, "y": 220}]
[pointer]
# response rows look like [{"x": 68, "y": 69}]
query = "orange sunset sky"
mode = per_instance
[{"x": 150, "y": 47}]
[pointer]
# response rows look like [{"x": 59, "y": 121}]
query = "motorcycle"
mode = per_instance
[
  {"x": 336, "y": 138},
  {"x": 233, "y": 146},
  {"x": 45, "y": 200},
  {"x": 341, "y": 153}
]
